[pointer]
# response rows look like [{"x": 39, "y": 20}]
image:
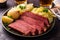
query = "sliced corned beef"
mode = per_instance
[
  {"x": 19, "y": 26},
  {"x": 23, "y": 27},
  {"x": 38, "y": 17},
  {"x": 30, "y": 23},
  {"x": 38, "y": 24}
]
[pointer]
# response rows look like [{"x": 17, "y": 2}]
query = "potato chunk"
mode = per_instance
[
  {"x": 14, "y": 13},
  {"x": 25, "y": 7},
  {"x": 29, "y": 7},
  {"x": 6, "y": 19}
]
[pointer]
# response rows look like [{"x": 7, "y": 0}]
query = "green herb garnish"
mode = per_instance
[
  {"x": 10, "y": 16},
  {"x": 22, "y": 7},
  {"x": 45, "y": 10}
]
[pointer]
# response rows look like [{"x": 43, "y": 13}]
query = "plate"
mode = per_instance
[{"x": 18, "y": 34}]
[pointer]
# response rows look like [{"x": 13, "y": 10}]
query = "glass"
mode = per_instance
[
  {"x": 46, "y": 3},
  {"x": 20, "y": 1}
]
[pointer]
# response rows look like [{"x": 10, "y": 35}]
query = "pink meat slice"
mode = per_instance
[
  {"x": 22, "y": 26},
  {"x": 38, "y": 24},
  {"x": 33, "y": 28},
  {"x": 38, "y": 17}
]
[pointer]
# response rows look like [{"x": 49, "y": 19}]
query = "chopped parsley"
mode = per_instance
[
  {"x": 10, "y": 16},
  {"x": 45, "y": 10},
  {"x": 22, "y": 7}
]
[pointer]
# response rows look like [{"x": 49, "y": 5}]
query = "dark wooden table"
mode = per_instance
[{"x": 54, "y": 34}]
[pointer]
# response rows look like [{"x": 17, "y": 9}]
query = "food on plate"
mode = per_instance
[
  {"x": 14, "y": 13},
  {"x": 21, "y": 6},
  {"x": 37, "y": 10},
  {"x": 7, "y": 19},
  {"x": 25, "y": 7},
  {"x": 29, "y": 20},
  {"x": 50, "y": 18},
  {"x": 29, "y": 7},
  {"x": 30, "y": 23},
  {"x": 38, "y": 17},
  {"x": 21, "y": 26},
  {"x": 35, "y": 22},
  {"x": 44, "y": 12},
  {"x": 34, "y": 10}
]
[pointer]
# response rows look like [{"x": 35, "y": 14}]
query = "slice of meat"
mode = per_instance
[
  {"x": 32, "y": 27},
  {"x": 38, "y": 17},
  {"x": 29, "y": 20},
  {"x": 19, "y": 26},
  {"x": 38, "y": 24},
  {"x": 22, "y": 26}
]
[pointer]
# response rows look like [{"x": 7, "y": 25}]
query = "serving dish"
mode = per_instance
[
  {"x": 18, "y": 34},
  {"x": 25, "y": 20}
]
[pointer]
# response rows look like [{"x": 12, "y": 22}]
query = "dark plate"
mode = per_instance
[{"x": 18, "y": 34}]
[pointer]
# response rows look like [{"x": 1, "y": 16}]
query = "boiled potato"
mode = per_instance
[
  {"x": 29, "y": 7},
  {"x": 6, "y": 19},
  {"x": 14, "y": 13},
  {"x": 25, "y": 7},
  {"x": 19, "y": 10},
  {"x": 22, "y": 7}
]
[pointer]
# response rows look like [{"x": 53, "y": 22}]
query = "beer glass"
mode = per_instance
[
  {"x": 46, "y": 3},
  {"x": 20, "y": 1}
]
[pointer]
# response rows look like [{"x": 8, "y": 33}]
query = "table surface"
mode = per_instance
[{"x": 54, "y": 34}]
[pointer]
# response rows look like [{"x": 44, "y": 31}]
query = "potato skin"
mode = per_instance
[
  {"x": 14, "y": 13},
  {"x": 6, "y": 19}
]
